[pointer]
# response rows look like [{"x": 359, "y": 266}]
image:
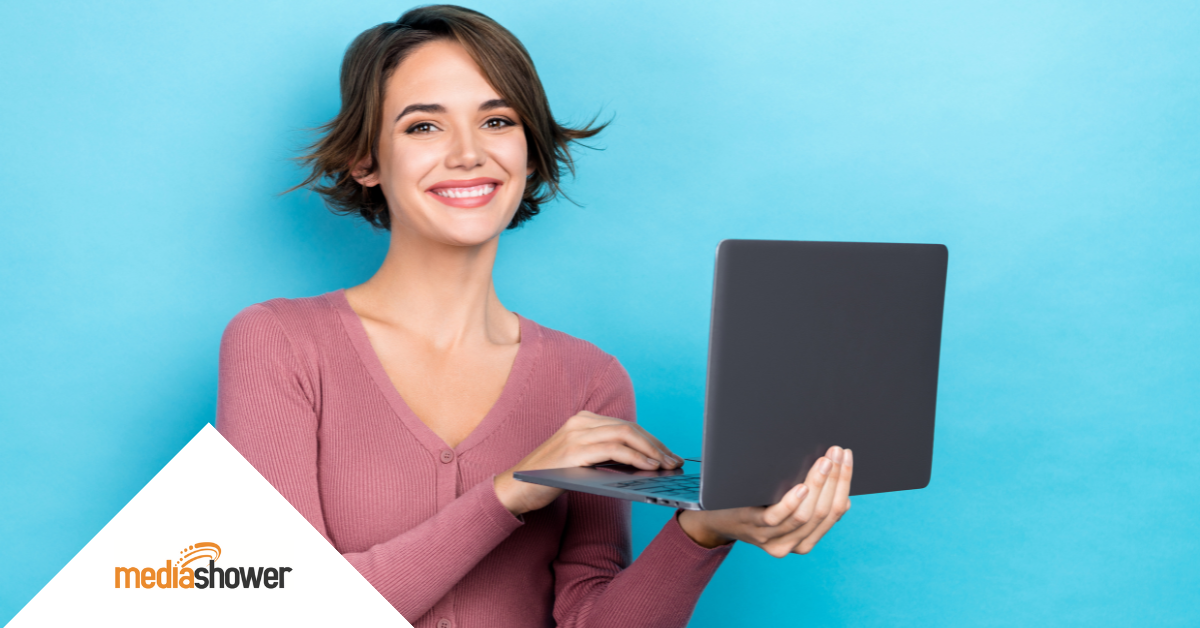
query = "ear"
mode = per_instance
[{"x": 364, "y": 172}]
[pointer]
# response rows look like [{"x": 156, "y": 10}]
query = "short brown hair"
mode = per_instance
[{"x": 369, "y": 63}]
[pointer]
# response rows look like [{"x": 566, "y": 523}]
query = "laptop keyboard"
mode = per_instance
[{"x": 675, "y": 486}]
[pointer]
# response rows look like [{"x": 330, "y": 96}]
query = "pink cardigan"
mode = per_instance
[{"x": 304, "y": 398}]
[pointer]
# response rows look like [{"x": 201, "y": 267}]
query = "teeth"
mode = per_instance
[{"x": 479, "y": 190}]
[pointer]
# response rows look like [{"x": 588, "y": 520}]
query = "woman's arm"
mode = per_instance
[
  {"x": 266, "y": 409},
  {"x": 595, "y": 584},
  {"x": 659, "y": 589}
]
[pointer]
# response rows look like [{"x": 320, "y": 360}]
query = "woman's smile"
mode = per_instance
[{"x": 465, "y": 193}]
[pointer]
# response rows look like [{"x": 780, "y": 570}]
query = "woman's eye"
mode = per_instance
[
  {"x": 497, "y": 123},
  {"x": 420, "y": 127}
]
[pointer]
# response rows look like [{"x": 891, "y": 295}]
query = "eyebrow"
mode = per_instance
[
  {"x": 495, "y": 103},
  {"x": 421, "y": 107}
]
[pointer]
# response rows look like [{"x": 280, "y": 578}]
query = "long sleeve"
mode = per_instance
[
  {"x": 267, "y": 408},
  {"x": 594, "y": 587}
]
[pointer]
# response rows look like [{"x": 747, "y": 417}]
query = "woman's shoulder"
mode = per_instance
[
  {"x": 597, "y": 380},
  {"x": 577, "y": 356},
  {"x": 302, "y": 323}
]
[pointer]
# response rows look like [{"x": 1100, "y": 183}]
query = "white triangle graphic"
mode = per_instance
[{"x": 208, "y": 493}]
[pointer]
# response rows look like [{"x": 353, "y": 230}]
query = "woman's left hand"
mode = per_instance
[{"x": 795, "y": 524}]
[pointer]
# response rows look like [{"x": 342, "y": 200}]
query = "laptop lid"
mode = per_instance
[{"x": 814, "y": 344}]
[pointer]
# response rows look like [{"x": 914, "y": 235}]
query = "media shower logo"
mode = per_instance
[{"x": 181, "y": 576}]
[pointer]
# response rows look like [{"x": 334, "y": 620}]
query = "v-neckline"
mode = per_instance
[{"x": 510, "y": 395}]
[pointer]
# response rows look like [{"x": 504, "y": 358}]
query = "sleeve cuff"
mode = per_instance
[{"x": 490, "y": 503}]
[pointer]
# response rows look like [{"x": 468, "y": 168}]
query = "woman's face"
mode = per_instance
[{"x": 452, "y": 153}]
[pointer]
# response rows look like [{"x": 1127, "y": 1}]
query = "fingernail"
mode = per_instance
[
  {"x": 849, "y": 459},
  {"x": 837, "y": 455},
  {"x": 652, "y": 461},
  {"x": 800, "y": 491},
  {"x": 826, "y": 465}
]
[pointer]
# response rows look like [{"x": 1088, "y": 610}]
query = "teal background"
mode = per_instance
[{"x": 1054, "y": 147}]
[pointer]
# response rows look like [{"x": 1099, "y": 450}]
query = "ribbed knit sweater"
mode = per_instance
[{"x": 303, "y": 396}]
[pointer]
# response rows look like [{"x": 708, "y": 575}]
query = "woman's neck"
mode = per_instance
[{"x": 440, "y": 292}]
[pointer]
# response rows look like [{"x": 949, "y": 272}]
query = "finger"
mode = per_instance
[
  {"x": 615, "y": 451},
  {"x": 669, "y": 459},
  {"x": 816, "y": 480},
  {"x": 781, "y": 535},
  {"x": 816, "y": 507},
  {"x": 839, "y": 506},
  {"x": 842, "y": 499},
  {"x": 625, "y": 433},
  {"x": 589, "y": 420},
  {"x": 829, "y": 490},
  {"x": 782, "y": 511},
  {"x": 632, "y": 437},
  {"x": 822, "y": 474},
  {"x": 818, "y": 475}
]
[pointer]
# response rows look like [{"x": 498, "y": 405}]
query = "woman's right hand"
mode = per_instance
[
  {"x": 793, "y": 525},
  {"x": 584, "y": 440}
]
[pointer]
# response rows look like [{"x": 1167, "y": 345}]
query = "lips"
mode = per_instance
[{"x": 465, "y": 193}]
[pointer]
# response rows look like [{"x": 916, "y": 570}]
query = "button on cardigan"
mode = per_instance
[{"x": 303, "y": 396}]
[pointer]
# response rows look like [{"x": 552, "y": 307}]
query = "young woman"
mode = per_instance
[{"x": 393, "y": 414}]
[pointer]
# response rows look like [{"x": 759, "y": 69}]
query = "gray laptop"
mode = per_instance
[{"x": 812, "y": 344}]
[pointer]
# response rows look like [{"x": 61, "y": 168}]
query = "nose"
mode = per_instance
[{"x": 466, "y": 151}]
